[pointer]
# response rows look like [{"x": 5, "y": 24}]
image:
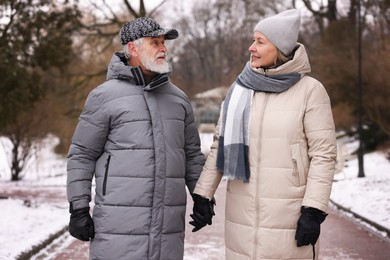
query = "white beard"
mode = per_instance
[{"x": 150, "y": 64}]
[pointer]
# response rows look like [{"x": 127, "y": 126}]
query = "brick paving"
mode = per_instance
[
  {"x": 344, "y": 239},
  {"x": 341, "y": 238}
]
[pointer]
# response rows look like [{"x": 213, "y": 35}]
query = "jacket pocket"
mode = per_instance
[
  {"x": 106, "y": 175},
  {"x": 298, "y": 168}
]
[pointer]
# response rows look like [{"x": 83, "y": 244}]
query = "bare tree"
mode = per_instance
[
  {"x": 97, "y": 42},
  {"x": 377, "y": 64},
  {"x": 334, "y": 58},
  {"x": 324, "y": 14},
  {"x": 214, "y": 42},
  {"x": 103, "y": 22}
]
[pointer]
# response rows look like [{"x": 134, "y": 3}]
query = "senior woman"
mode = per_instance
[{"x": 275, "y": 144}]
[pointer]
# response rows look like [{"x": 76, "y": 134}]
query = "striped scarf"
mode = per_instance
[{"x": 232, "y": 157}]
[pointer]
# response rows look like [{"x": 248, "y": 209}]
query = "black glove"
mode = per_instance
[
  {"x": 203, "y": 212},
  {"x": 308, "y": 229},
  {"x": 81, "y": 224}
]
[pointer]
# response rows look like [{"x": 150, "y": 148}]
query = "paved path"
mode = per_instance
[
  {"x": 344, "y": 239},
  {"x": 341, "y": 238}
]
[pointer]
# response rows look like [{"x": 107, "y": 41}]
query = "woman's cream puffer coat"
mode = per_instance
[{"x": 292, "y": 153}]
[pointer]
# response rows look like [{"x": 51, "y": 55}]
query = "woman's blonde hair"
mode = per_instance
[{"x": 281, "y": 58}]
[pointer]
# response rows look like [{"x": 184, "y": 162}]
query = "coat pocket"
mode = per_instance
[
  {"x": 298, "y": 168},
  {"x": 106, "y": 175}
]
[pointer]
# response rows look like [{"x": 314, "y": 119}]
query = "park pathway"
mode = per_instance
[{"x": 342, "y": 238}]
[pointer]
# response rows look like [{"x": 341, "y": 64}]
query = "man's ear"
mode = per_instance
[{"x": 133, "y": 50}]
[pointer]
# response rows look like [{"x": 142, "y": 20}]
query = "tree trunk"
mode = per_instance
[{"x": 15, "y": 164}]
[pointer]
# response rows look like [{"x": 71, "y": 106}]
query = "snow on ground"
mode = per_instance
[
  {"x": 369, "y": 197},
  {"x": 24, "y": 224}
]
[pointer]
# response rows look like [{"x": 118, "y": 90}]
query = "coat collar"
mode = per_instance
[{"x": 119, "y": 69}]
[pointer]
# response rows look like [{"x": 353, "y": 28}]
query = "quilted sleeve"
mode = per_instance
[
  {"x": 210, "y": 176},
  {"x": 194, "y": 156},
  {"x": 87, "y": 145},
  {"x": 320, "y": 132}
]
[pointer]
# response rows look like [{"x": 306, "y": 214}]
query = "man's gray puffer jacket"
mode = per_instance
[{"x": 141, "y": 144}]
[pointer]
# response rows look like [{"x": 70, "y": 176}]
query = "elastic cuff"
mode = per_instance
[{"x": 78, "y": 204}]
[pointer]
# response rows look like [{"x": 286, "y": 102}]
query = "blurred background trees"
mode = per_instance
[
  {"x": 334, "y": 61},
  {"x": 54, "y": 52},
  {"x": 35, "y": 46}
]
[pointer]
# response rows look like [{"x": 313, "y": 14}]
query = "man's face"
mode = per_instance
[{"x": 153, "y": 54}]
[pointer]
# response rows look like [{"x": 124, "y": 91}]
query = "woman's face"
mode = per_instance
[{"x": 263, "y": 52}]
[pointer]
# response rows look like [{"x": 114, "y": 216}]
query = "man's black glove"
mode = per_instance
[
  {"x": 81, "y": 224},
  {"x": 203, "y": 212},
  {"x": 308, "y": 229}
]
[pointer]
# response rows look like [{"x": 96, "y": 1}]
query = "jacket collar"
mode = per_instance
[
  {"x": 139, "y": 80},
  {"x": 119, "y": 69}
]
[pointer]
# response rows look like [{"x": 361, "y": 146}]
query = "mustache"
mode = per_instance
[{"x": 161, "y": 55}]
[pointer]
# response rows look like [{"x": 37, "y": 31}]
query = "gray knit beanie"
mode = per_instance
[{"x": 281, "y": 29}]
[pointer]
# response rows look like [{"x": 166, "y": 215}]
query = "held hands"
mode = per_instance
[
  {"x": 81, "y": 224},
  {"x": 203, "y": 212},
  {"x": 308, "y": 229}
]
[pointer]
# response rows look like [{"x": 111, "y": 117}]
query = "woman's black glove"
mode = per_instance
[
  {"x": 81, "y": 224},
  {"x": 203, "y": 212},
  {"x": 308, "y": 229}
]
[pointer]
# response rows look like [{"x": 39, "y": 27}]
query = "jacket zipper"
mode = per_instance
[
  {"x": 296, "y": 171},
  {"x": 258, "y": 177},
  {"x": 106, "y": 175}
]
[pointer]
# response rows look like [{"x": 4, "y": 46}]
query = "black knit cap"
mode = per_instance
[{"x": 144, "y": 27}]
